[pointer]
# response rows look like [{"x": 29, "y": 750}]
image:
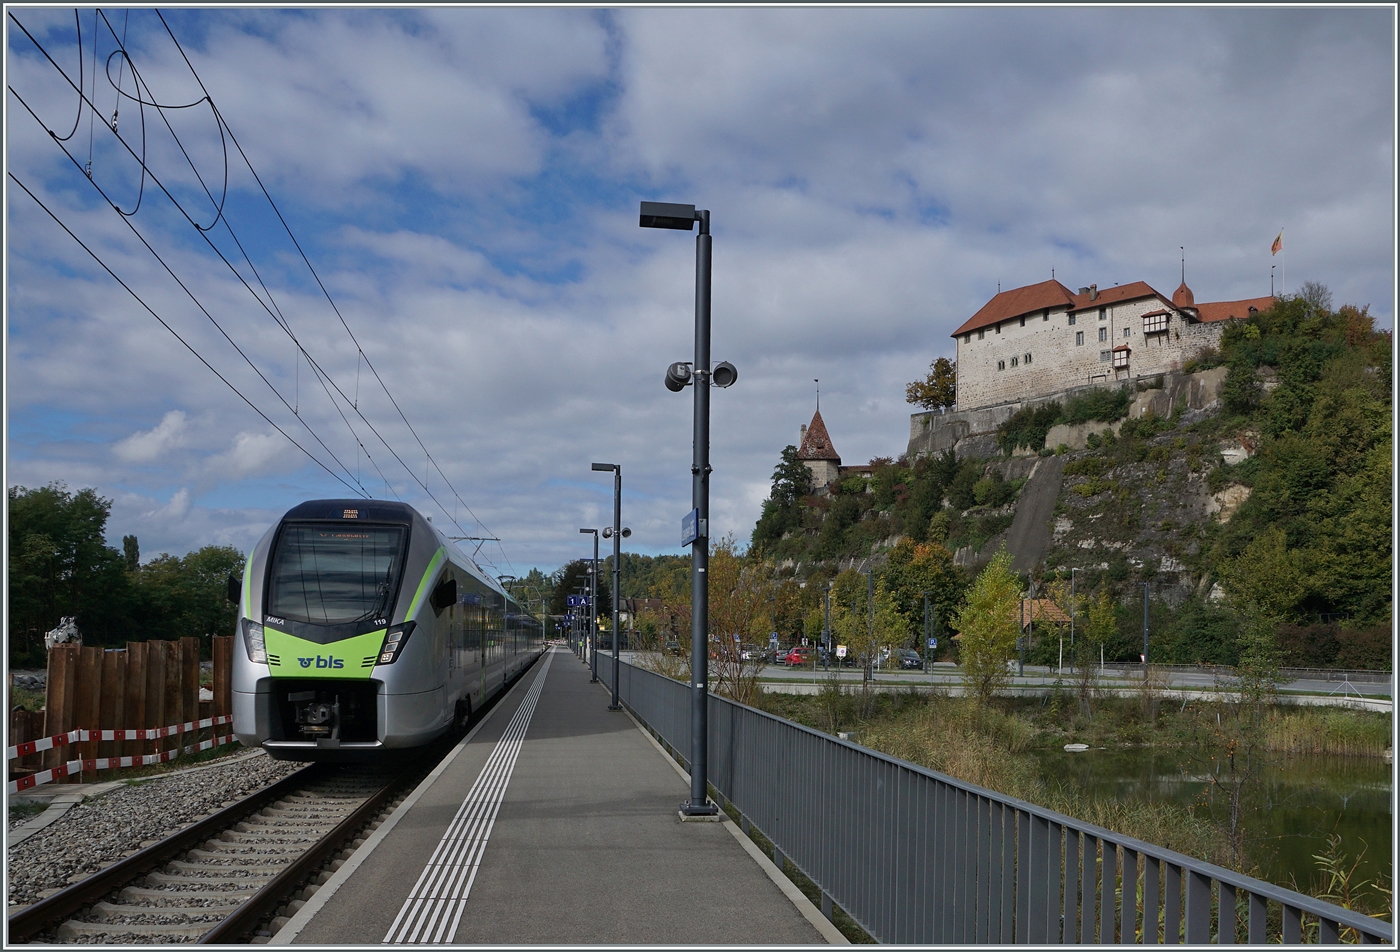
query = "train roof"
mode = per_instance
[{"x": 369, "y": 510}]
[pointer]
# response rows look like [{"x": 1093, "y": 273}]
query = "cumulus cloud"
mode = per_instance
[
  {"x": 150, "y": 445},
  {"x": 465, "y": 182}
]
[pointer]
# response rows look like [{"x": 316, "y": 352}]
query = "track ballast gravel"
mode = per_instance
[{"x": 97, "y": 832}]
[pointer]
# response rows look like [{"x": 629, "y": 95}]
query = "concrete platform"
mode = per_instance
[{"x": 555, "y": 822}]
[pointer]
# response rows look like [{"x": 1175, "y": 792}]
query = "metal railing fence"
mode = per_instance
[{"x": 914, "y": 856}]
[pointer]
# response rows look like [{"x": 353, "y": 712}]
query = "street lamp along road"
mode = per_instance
[
  {"x": 617, "y": 534},
  {"x": 678, "y": 376}
]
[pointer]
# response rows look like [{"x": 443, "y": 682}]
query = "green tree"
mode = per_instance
[
  {"x": 918, "y": 568},
  {"x": 938, "y": 389},
  {"x": 572, "y": 579},
  {"x": 988, "y": 626},
  {"x": 782, "y": 510},
  {"x": 1268, "y": 576},
  {"x": 60, "y": 564}
]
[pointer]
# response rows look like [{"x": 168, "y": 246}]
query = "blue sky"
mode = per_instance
[{"x": 465, "y": 183}]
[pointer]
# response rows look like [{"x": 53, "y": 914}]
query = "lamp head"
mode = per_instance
[
  {"x": 678, "y": 376},
  {"x": 586, "y": 531},
  {"x": 604, "y": 467},
  {"x": 667, "y": 215},
  {"x": 625, "y": 533},
  {"x": 724, "y": 374}
]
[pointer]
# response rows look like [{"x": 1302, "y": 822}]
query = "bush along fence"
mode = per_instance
[
  {"x": 93, "y": 697},
  {"x": 915, "y": 856}
]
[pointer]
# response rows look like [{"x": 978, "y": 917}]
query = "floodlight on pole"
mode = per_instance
[
  {"x": 617, "y": 534},
  {"x": 698, "y": 372}
]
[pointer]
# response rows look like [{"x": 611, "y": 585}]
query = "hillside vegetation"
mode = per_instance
[{"x": 1304, "y": 543}]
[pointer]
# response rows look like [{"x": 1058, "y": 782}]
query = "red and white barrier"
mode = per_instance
[
  {"x": 81, "y": 736},
  {"x": 108, "y": 763}
]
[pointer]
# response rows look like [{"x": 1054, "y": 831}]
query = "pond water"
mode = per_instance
[{"x": 1298, "y": 801}]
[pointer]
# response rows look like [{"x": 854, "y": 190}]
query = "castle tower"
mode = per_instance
[{"x": 816, "y": 451}]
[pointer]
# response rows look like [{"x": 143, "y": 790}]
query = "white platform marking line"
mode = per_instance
[{"x": 435, "y": 904}]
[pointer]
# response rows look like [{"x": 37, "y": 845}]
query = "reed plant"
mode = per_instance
[{"x": 1315, "y": 730}]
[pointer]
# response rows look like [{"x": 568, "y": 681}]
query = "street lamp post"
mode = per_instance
[
  {"x": 593, "y": 601},
  {"x": 1144, "y": 631},
  {"x": 618, "y": 533},
  {"x": 678, "y": 376},
  {"x": 926, "y": 631}
]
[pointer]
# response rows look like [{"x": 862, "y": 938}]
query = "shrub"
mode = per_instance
[
  {"x": 1027, "y": 427},
  {"x": 1093, "y": 441},
  {"x": 1104, "y": 405}
]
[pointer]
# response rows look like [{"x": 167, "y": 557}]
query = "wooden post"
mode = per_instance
[
  {"x": 189, "y": 685},
  {"x": 155, "y": 691},
  {"x": 113, "y": 712},
  {"x": 174, "y": 695},
  {"x": 59, "y": 697},
  {"x": 89, "y": 697},
  {"x": 136, "y": 655},
  {"x": 223, "y": 676}
]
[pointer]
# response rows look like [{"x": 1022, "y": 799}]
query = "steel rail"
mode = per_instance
[
  {"x": 30, "y": 921},
  {"x": 279, "y": 888}
]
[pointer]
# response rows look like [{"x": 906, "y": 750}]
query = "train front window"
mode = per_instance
[{"x": 328, "y": 575}]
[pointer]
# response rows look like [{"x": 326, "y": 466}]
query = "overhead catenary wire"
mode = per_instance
[
  {"x": 127, "y": 221},
  {"x": 176, "y": 334},
  {"x": 324, "y": 378},
  {"x": 217, "y": 251},
  {"x": 326, "y": 292}
]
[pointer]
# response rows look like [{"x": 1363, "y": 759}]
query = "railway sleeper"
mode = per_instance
[
  {"x": 176, "y": 897},
  {"x": 239, "y": 837},
  {"x": 224, "y": 869},
  {"x": 111, "y": 911},
  {"x": 178, "y": 879},
  {"x": 76, "y": 929},
  {"x": 244, "y": 857}
]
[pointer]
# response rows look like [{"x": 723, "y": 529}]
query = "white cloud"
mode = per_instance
[
  {"x": 150, "y": 445},
  {"x": 466, "y": 180}
]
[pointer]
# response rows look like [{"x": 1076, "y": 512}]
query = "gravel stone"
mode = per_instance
[{"x": 101, "y": 830}]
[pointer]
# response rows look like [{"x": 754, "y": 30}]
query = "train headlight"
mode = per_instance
[
  {"x": 394, "y": 640},
  {"x": 253, "y": 641}
]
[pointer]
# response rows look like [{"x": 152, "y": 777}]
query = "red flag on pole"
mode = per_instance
[{"x": 1278, "y": 244}]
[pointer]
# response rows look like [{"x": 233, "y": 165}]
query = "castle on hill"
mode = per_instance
[
  {"x": 815, "y": 451},
  {"x": 1044, "y": 338}
]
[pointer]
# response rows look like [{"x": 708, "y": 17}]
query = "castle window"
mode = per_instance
[
  {"x": 1028, "y": 358},
  {"x": 998, "y": 328},
  {"x": 981, "y": 335},
  {"x": 1120, "y": 359},
  {"x": 1001, "y": 365},
  {"x": 1127, "y": 332},
  {"x": 1103, "y": 334},
  {"x": 1155, "y": 324},
  {"x": 1045, "y": 314},
  {"x": 1078, "y": 338},
  {"x": 1103, "y": 313},
  {"x": 967, "y": 338},
  {"x": 1072, "y": 319},
  {"x": 1105, "y": 356},
  {"x": 1014, "y": 361}
]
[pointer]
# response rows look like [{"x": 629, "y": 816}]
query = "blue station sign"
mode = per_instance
[{"x": 690, "y": 527}]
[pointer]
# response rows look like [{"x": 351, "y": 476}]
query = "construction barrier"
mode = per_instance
[{"x": 81, "y": 736}]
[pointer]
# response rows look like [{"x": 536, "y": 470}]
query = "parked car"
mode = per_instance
[
  {"x": 753, "y": 653},
  {"x": 910, "y": 659},
  {"x": 800, "y": 656}
]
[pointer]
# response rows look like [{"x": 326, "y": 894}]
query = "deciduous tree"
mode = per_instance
[
  {"x": 988, "y": 626},
  {"x": 938, "y": 389}
]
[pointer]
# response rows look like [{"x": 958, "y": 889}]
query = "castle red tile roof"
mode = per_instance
[
  {"x": 1018, "y": 301},
  {"x": 816, "y": 442},
  {"x": 1135, "y": 291},
  {"x": 1224, "y": 310},
  {"x": 1043, "y": 609}
]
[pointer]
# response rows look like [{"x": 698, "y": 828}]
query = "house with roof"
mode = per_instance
[
  {"x": 1044, "y": 338},
  {"x": 814, "y": 449}
]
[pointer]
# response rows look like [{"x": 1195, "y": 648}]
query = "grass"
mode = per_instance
[{"x": 21, "y": 810}]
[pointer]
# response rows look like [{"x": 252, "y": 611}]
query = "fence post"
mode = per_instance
[
  {"x": 89, "y": 697},
  {"x": 155, "y": 691},
  {"x": 113, "y": 712},
  {"x": 189, "y": 665},
  {"x": 136, "y": 657},
  {"x": 223, "y": 671},
  {"x": 59, "y": 693},
  {"x": 174, "y": 698}
]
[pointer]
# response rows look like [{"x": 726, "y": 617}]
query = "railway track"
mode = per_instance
[
  {"x": 234, "y": 875},
  {"x": 226, "y": 876}
]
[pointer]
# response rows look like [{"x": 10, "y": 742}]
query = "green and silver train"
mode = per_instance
[{"x": 363, "y": 630}]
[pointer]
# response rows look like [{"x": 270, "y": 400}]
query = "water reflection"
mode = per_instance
[{"x": 1293, "y": 803}]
